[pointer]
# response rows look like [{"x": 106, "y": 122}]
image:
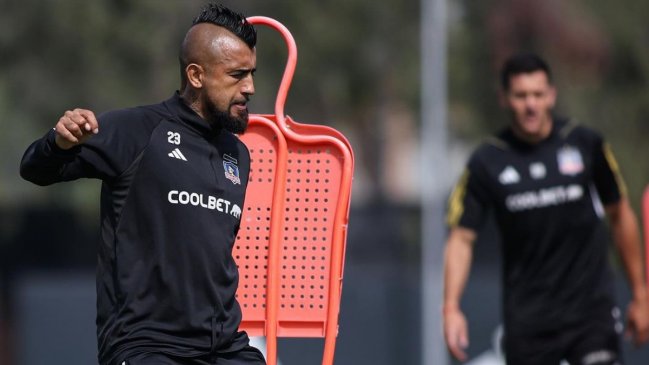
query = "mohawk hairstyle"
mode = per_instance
[
  {"x": 234, "y": 22},
  {"x": 221, "y": 16}
]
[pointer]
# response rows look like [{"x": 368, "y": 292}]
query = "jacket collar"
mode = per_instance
[
  {"x": 177, "y": 106},
  {"x": 510, "y": 138}
]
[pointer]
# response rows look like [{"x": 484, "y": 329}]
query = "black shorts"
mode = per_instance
[
  {"x": 246, "y": 356},
  {"x": 594, "y": 341}
]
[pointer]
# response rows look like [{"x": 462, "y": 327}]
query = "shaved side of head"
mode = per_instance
[
  {"x": 217, "y": 64},
  {"x": 204, "y": 44},
  {"x": 214, "y": 26}
]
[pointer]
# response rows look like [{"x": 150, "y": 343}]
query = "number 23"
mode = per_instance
[{"x": 173, "y": 137}]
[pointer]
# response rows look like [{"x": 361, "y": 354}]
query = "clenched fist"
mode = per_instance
[{"x": 75, "y": 127}]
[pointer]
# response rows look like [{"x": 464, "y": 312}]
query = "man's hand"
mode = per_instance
[
  {"x": 456, "y": 332},
  {"x": 75, "y": 127},
  {"x": 637, "y": 317}
]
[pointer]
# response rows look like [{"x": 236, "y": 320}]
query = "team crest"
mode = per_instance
[
  {"x": 231, "y": 169},
  {"x": 570, "y": 161}
]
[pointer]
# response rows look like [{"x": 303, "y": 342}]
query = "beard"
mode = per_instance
[{"x": 222, "y": 119}]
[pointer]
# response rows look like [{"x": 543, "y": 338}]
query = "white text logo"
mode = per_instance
[
  {"x": 544, "y": 198},
  {"x": 204, "y": 201}
]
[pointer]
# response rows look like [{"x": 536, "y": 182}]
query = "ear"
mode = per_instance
[{"x": 194, "y": 74}]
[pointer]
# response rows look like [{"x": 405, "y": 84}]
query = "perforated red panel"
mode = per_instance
[
  {"x": 251, "y": 247},
  {"x": 311, "y": 188},
  {"x": 304, "y": 240},
  {"x": 312, "y": 184}
]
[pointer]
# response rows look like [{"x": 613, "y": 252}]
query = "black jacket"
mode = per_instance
[
  {"x": 171, "y": 202},
  {"x": 547, "y": 202}
]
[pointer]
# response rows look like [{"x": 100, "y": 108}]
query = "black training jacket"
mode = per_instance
[
  {"x": 547, "y": 199},
  {"x": 172, "y": 194}
]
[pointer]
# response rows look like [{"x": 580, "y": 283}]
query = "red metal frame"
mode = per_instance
[{"x": 295, "y": 223}]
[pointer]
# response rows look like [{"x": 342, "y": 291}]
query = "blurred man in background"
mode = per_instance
[
  {"x": 549, "y": 182},
  {"x": 174, "y": 179}
]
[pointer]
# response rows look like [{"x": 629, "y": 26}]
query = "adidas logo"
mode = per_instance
[
  {"x": 177, "y": 154},
  {"x": 509, "y": 176}
]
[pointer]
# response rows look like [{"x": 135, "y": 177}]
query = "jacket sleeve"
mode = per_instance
[
  {"x": 470, "y": 200},
  {"x": 122, "y": 136},
  {"x": 607, "y": 177},
  {"x": 44, "y": 163}
]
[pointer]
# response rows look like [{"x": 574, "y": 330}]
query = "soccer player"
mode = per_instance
[
  {"x": 174, "y": 178},
  {"x": 549, "y": 183}
]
